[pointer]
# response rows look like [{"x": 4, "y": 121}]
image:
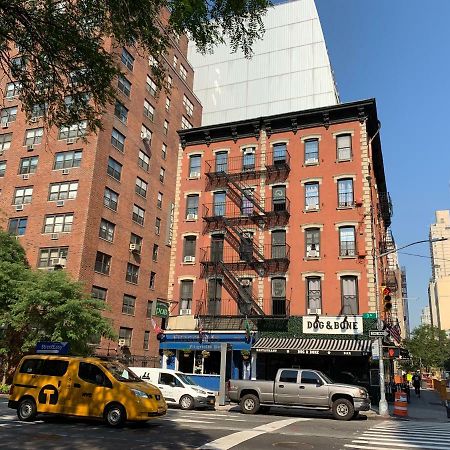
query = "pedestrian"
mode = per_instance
[
  {"x": 409, "y": 378},
  {"x": 416, "y": 380}
]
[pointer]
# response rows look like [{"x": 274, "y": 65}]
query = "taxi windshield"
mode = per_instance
[{"x": 121, "y": 372}]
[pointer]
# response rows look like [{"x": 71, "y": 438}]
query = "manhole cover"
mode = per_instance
[{"x": 303, "y": 445}]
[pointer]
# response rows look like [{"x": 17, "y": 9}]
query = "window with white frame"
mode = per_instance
[
  {"x": 344, "y": 147},
  {"x": 107, "y": 230},
  {"x": 312, "y": 242},
  {"x": 49, "y": 256},
  {"x": 167, "y": 104},
  {"x": 349, "y": 295},
  {"x": 138, "y": 214},
  {"x": 110, "y": 199},
  {"x": 312, "y": 196},
  {"x": 28, "y": 165},
  {"x": 12, "y": 89},
  {"x": 146, "y": 134},
  {"x": 63, "y": 191},
  {"x": 314, "y": 295},
  {"x": 149, "y": 110},
  {"x": 195, "y": 162},
  {"x": 23, "y": 195},
  {"x": 141, "y": 187},
  {"x": 73, "y": 131},
  {"x": 2, "y": 168},
  {"x": 33, "y": 136},
  {"x": 164, "y": 151},
  {"x": 67, "y": 160},
  {"x": 159, "y": 200},
  {"x": 166, "y": 127},
  {"x": 345, "y": 192},
  {"x": 311, "y": 151},
  {"x": 175, "y": 61},
  {"x": 189, "y": 244},
  {"x": 192, "y": 207},
  {"x": 186, "y": 292},
  {"x": 8, "y": 115},
  {"x": 278, "y": 244},
  {"x": 143, "y": 160},
  {"x": 58, "y": 223},
  {"x": 248, "y": 159},
  {"x": 185, "y": 124},
  {"x": 162, "y": 174},
  {"x": 151, "y": 87},
  {"x": 279, "y": 296},
  {"x": 183, "y": 72},
  {"x": 347, "y": 241},
  {"x": 5, "y": 141},
  {"x": 188, "y": 105}
]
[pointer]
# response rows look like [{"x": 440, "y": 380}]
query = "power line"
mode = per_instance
[{"x": 424, "y": 256}]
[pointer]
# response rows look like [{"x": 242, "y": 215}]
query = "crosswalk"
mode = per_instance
[{"x": 391, "y": 435}]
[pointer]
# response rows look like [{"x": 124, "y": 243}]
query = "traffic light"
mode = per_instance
[{"x": 387, "y": 299}]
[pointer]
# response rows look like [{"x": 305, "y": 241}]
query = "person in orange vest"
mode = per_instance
[{"x": 416, "y": 380}]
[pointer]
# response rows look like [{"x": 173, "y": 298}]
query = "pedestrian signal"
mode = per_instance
[{"x": 387, "y": 299}]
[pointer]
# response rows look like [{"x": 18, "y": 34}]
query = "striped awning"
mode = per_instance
[{"x": 350, "y": 347}]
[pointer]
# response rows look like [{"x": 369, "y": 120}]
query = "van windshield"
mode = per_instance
[
  {"x": 121, "y": 372},
  {"x": 186, "y": 379}
]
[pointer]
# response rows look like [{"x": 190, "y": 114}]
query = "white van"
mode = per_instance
[{"x": 177, "y": 387}]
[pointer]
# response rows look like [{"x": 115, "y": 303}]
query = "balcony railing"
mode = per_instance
[
  {"x": 244, "y": 164},
  {"x": 278, "y": 161}
]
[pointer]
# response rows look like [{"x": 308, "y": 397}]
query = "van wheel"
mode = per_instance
[
  {"x": 186, "y": 402},
  {"x": 343, "y": 409},
  {"x": 26, "y": 410},
  {"x": 249, "y": 404},
  {"x": 115, "y": 415}
]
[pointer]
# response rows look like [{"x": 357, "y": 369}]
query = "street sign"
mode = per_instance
[
  {"x": 377, "y": 333},
  {"x": 370, "y": 315}
]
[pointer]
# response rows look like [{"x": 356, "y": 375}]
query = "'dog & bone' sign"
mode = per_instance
[{"x": 342, "y": 325}]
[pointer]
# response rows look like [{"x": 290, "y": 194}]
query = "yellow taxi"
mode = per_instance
[{"x": 85, "y": 387}]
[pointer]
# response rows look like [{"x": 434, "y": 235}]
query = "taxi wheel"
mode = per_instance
[
  {"x": 186, "y": 402},
  {"x": 115, "y": 415},
  {"x": 27, "y": 410}
]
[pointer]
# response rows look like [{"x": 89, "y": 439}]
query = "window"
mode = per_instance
[
  {"x": 279, "y": 198},
  {"x": 146, "y": 339},
  {"x": 23, "y": 195},
  {"x": 185, "y": 124},
  {"x": 99, "y": 293},
  {"x": 5, "y": 141},
  {"x": 17, "y": 64},
  {"x": 138, "y": 214},
  {"x": 279, "y": 154},
  {"x": 246, "y": 246},
  {"x": 175, "y": 61},
  {"x": 135, "y": 239},
  {"x": 121, "y": 112},
  {"x": 8, "y": 115},
  {"x": 2, "y": 168},
  {"x": 144, "y": 160},
  {"x": 107, "y": 229},
  {"x": 312, "y": 151},
  {"x": 125, "y": 334},
  {"x": 189, "y": 243},
  {"x": 149, "y": 110},
  {"x": 167, "y": 104},
  {"x": 312, "y": 240},
  {"x": 152, "y": 281},
  {"x": 110, "y": 199},
  {"x": 310, "y": 378},
  {"x": 48, "y": 257},
  {"x": 347, "y": 244},
  {"x": 345, "y": 192},
  {"x": 214, "y": 296},
  {"x": 169, "y": 380},
  {"x": 141, "y": 187},
  {"x": 195, "y": 162},
  {"x": 248, "y": 159},
  {"x": 124, "y": 85},
  {"x": 311, "y": 196},
  {"x": 132, "y": 273},
  {"x": 63, "y": 191},
  {"x": 12, "y": 90},
  {"x": 222, "y": 162},
  {"x": 151, "y": 86},
  {"x": 118, "y": 140},
  {"x": 279, "y": 296},
  {"x": 192, "y": 207},
  {"x": 28, "y": 165},
  {"x": 67, "y": 160},
  {"x": 217, "y": 241},
  {"x": 219, "y": 201},
  {"x": 93, "y": 374},
  {"x": 159, "y": 200},
  {"x": 157, "y": 226},
  {"x": 152, "y": 61},
  {"x": 162, "y": 174},
  {"x": 33, "y": 136},
  {"x": 164, "y": 151},
  {"x": 114, "y": 169},
  {"x": 288, "y": 376},
  {"x": 102, "y": 263},
  {"x": 155, "y": 252},
  {"x": 73, "y": 131},
  {"x": 314, "y": 295},
  {"x": 349, "y": 289},
  {"x": 149, "y": 309},
  {"x": 344, "y": 147},
  {"x": 246, "y": 202},
  {"x": 17, "y": 226},
  {"x": 188, "y": 106},
  {"x": 146, "y": 134},
  {"x": 58, "y": 223},
  {"x": 183, "y": 72},
  {"x": 166, "y": 127},
  {"x": 48, "y": 367},
  {"x": 278, "y": 244},
  {"x": 186, "y": 290},
  {"x": 40, "y": 110},
  {"x": 169, "y": 81},
  {"x": 127, "y": 59}
]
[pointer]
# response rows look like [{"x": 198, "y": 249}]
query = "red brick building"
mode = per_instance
[{"x": 103, "y": 209}]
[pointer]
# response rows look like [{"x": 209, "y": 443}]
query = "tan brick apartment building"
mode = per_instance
[
  {"x": 103, "y": 209},
  {"x": 278, "y": 216}
]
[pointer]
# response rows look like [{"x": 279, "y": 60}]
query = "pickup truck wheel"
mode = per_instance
[
  {"x": 343, "y": 409},
  {"x": 249, "y": 404}
]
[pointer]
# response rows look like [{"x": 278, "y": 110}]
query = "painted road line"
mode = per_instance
[
  {"x": 187, "y": 421},
  {"x": 395, "y": 443},
  {"x": 226, "y": 442},
  {"x": 409, "y": 435}
]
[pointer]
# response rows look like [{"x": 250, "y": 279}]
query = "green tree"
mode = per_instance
[
  {"x": 39, "y": 305},
  {"x": 65, "y": 46},
  {"x": 429, "y": 347}
]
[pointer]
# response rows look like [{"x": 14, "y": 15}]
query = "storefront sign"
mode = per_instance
[
  {"x": 314, "y": 352},
  {"x": 170, "y": 225},
  {"x": 341, "y": 325},
  {"x": 162, "y": 309}
]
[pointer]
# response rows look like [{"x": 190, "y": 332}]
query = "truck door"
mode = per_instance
[
  {"x": 312, "y": 390},
  {"x": 286, "y": 388}
]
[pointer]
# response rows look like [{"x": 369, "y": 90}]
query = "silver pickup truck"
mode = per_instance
[{"x": 298, "y": 388}]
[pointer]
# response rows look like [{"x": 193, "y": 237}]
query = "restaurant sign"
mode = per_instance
[{"x": 338, "y": 325}]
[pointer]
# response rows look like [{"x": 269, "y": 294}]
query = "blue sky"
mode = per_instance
[{"x": 397, "y": 51}]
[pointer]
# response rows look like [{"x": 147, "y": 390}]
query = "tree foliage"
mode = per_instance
[
  {"x": 429, "y": 347},
  {"x": 65, "y": 53},
  {"x": 43, "y": 306}
]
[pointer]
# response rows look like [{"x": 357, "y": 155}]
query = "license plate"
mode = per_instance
[{"x": 211, "y": 402}]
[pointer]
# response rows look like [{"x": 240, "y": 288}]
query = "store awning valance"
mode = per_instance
[{"x": 343, "y": 347}]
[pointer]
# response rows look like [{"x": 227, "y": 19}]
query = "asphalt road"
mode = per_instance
[{"x": 219, "y": 430}]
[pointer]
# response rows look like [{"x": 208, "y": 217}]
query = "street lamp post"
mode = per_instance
[{"x": 383, "y": 405}]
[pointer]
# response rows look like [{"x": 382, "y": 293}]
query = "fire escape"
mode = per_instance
[{"x": 233, "y": 220}]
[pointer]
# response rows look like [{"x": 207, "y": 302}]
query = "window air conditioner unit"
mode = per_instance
[
  {"x": 311, "y": 207},
  {"x": 312, "y": 254},
  {"x": 30, "y": 148},
  {"x": 65, "y": 171},
  {"x": 144, "y": 136},
  {"x": 194, "y": 175},
  {"x": 185, "y": 312},
  {"x": 121, "y": 342},
  {"x": 60, "y": 203},
  {"x": 135, "y": 248},
  {"x": 70, "y": 141},
  {"x": 1, "y": 152},
  {"x": 19, "y": 207},
  {"x": 25, "y": 176},
  {"x": 59, "y": 262},
  {"x": 54, "y": 236},
  {"x": 246, "y": 282},
  {"x": 191, "y": 217},
  {"x": 5, "y": 124},
  {"x": 34, "y": 119},
  {"x": 314, "y": 311},
  {"x": 189, "y": 259}
]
